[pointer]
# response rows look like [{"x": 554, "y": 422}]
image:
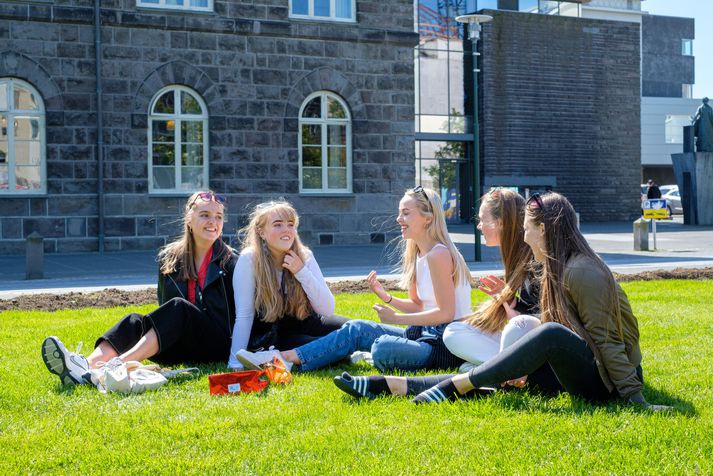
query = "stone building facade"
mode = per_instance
[{"x": 249, "y": 67}]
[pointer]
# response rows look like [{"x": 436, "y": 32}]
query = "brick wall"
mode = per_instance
[
  {"x": 560, "y": 106},
  {"x": 663, "y": 67},
  {"x": 253, "y": 67}
]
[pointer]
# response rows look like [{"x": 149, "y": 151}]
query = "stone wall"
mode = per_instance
[
  {"x": 560, "y": 108},
  {"x": 253, "y": 66}
]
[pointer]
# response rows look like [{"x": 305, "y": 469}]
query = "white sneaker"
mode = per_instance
[
  {"x": 257, "y": 360},
  {"x": 72, "y": 368},
  {"x": 361, "y": 356}
]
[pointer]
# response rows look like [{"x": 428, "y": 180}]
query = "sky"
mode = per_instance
[{"x": 702, "y": 11}]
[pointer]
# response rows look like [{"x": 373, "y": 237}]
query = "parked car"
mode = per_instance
[{"x": 673, "y": 199}]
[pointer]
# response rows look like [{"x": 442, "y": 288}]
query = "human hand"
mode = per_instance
[
  {"x": 386, "y": 314},
  {"x": 376, "y": 286},
  {"x": 491, "y": 285},
  {"x": 292, "y": 262},
  {"x": 510, "y": 308},
  {"x": 517, "y": 382}
]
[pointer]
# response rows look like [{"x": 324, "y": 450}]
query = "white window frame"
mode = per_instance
[
  {"x": 324, "y": 121},
  {"x": 332, "y": 10},
  {"x": 13, "y": 113},
  {"x": 165, "y": 6},
  {"x": 178, "y": 117}
]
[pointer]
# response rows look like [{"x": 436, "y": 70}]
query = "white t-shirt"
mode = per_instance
[
  {"x": 424, "y": 288},
  {"x": 310, "y": 278}
]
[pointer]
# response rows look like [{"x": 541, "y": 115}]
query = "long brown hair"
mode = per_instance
[
  {"x": 429, "y": 205},
  {"x": 270, "y": 302},
  {"x": 508, "y": 207},
  {"x": 563, "y": 241},
  {"x": 178, "y": 255}
]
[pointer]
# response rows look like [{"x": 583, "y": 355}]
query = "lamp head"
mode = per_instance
[{"x": 473, "y": 20}]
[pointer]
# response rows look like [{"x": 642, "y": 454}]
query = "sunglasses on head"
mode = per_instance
[
  {"x": 419, "y": 189},
  {"x": 207, "y": 197},
  {"x": 535, "y": 201}
]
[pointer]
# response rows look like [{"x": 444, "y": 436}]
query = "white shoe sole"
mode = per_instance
[
  {"x": 247, "y": 362},
  {"x": 53, "y": 357}
]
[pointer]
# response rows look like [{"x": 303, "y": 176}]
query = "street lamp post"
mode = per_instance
[{"x": 474, "y": 21}]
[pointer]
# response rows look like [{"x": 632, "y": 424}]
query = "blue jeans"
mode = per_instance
[{"x": 387, "y": 344}]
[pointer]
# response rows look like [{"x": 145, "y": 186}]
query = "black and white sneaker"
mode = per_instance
[{"x": 70, "y": 367}]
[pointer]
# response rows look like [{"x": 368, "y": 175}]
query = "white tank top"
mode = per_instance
[{"x": 424, "y": 288}]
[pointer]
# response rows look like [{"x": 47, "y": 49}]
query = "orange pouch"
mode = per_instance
[{"x": 238, "y": 382}]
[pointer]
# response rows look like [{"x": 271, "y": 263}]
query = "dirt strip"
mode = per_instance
[{"x": 115, "y": 297}]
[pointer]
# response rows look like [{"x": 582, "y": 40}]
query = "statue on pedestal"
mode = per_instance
[{"x": 703, "y": 127}]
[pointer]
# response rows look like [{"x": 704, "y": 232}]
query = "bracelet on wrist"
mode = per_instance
[{"x": 391, "y": 298}]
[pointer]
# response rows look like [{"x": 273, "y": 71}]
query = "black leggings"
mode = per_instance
[
  {"x": 185, "y": 333},
  {"x": 552, "y": 356},
  {"x": 290, "y": 332}
]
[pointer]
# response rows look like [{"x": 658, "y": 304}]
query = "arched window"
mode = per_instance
[
  {"x": 22, "y": 139},
  {"x": 178, "y": 141},
  {"x": 325, "y": 144}
]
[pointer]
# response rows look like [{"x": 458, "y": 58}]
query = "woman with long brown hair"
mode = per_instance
[
  {"x": 589, "y": 339},
  {"x": 281, "y": 297},
  {"x": 195, "y": 318},
  {"x": 512, "y": 311}
]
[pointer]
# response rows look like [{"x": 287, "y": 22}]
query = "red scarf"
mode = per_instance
[{"x": 201, "y": 277}]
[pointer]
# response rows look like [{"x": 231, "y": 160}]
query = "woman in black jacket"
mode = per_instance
[{"x": 195, "y": 319}]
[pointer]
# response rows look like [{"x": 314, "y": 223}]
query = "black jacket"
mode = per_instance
[{"x": 217, "y": 299}]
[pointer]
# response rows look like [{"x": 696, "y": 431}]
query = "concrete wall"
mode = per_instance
[
  {"x": 253, "y": 66},
  {"x": 561, "y": 102},
  {"x": 663, "y": 68}
]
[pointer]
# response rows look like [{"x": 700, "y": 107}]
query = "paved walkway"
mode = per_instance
[{"x": 678, "y": 246}]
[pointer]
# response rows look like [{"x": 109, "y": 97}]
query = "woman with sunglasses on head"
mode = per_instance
[
  {"x": 281, "y": 297},
  {"x": 438, "y": 284},
  {"x": 195, "y": 318},
  {"x": 589, "y": 339},
  {"x": 514, "y": 306}
]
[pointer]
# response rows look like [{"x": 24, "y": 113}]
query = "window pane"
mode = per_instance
[
  {"x": 335, "y": 110},
  {"x": 149, "y": 1},
  {"x": 300, "y": 7},
  {"x": 4, "y": 106},
  {"x": 191, "y": 178},
  {"x": 311, "y": 156},
  {"x": 337, "y": 178},
  {"x": 311, "y": 134},
  {"x": 337, "y": 135},
  {"x": 4, "y": 176},
  {"x": 27, "y": 128},
  {"x": 337, "y": 156},
  {"x": 174, "y": 2},
  {"x": 199, "y": 3},
  {"x": 24, "y": 99},
  {"x": 313, "y": 108},
  {"x": 164, "y": 131},
  {"x": 163, "y": 154},
  {"x": 343, "y": 8},
  {"x": 674, "y": 128},
  {"x": 27, "y": 178},
  {"x": 433, "y": 82},
  {"x": 321, "y": 8},
  {"x": 192, "y": 154},
  {"x": 192, "y": 131},
  {"x": 189, "y": 104},
  {"x": 164, "y": 105},
  {"x": 3, "y": 127},
  {"x": 164, "y": 177},
  {"x": 27, "y": 153},
  {"x": 3, "y": 151},
  {"x": 312, "y": 178}
]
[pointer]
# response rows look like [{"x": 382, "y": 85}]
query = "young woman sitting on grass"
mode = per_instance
[
  {"x": 281, "y": 297},
  {"x": 195, "y": 318},
  {"x": 513, "y": 310},
  {"x": 438, "y": 284},
  {"x": 589, "y": 339}
]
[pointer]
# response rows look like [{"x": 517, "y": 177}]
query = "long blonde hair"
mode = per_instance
[
  {"x": 508, "y": 207},
  {"x": 178, "y": 255},
  {"x": 429, "y": 205},
  {"x": 563, "y": 241},
  {"x": 270, "y": 302}
]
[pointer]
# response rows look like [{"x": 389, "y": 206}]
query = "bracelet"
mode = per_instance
[{"x": 391, "y": 298}]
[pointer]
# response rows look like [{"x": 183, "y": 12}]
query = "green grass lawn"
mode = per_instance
[{"x": 310, "y": 427}]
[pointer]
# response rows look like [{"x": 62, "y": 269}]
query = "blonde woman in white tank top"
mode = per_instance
[{"x": 438, "y": 284}]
